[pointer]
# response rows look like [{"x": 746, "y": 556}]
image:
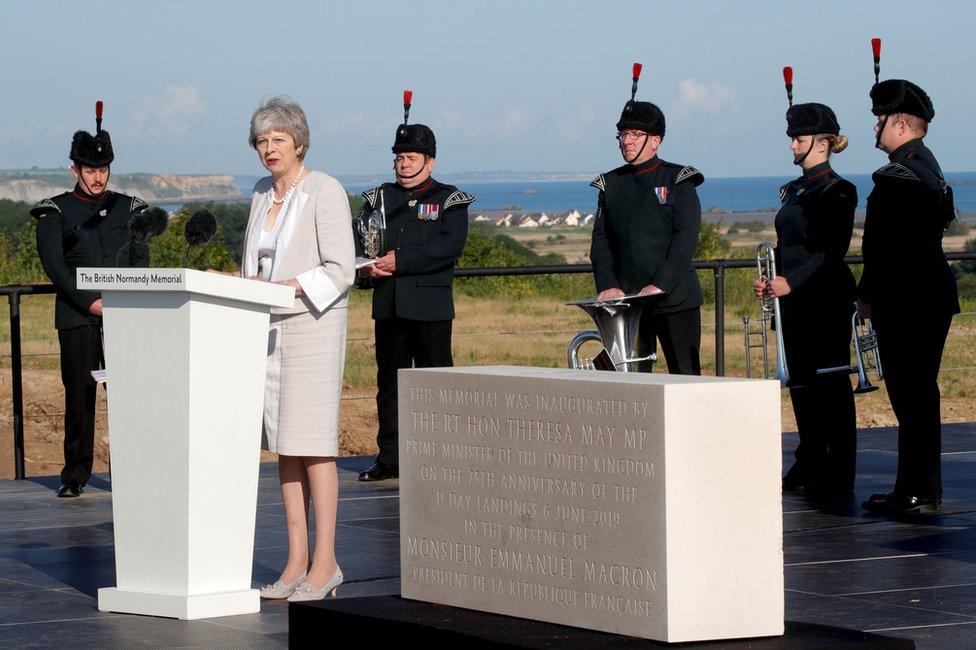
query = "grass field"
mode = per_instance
[{"x": 531, "y": 331}]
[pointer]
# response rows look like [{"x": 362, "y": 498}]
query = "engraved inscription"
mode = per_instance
[{"x": 534, "y": 495}]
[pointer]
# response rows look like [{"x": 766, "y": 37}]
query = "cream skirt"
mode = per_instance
[{"x": 306, "y": 355}]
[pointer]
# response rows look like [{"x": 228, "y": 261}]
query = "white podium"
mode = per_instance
[{"x": 185, "y": 355}]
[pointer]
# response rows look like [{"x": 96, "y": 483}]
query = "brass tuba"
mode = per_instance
[
  {"x": 769, "y": 310},
  {"x": 618, "y": 321}
]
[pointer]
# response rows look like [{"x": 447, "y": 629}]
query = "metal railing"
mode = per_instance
[{"x": 718, "y": 268}]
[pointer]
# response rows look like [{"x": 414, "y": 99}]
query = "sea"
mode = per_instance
[{"x": 719, "y": 196}]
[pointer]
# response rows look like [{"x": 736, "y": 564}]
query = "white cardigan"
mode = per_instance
[{"x": 314, "y": 243}]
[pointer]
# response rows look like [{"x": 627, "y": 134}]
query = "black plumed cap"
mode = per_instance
[
  {"x": 642, "y": 116},
  {"x": 417, "y": 138},
  {"x": 811, "y": 119},
  {"x": 899, "y": 96},
  {"x": 91, "y": 150}
]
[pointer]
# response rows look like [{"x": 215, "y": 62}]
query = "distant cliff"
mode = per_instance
[{"x": 34, "y": 185}]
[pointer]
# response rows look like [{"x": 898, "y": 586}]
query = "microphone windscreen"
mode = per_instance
[
  {"x": 200, "y": 228},
  {"x": 139, "y": 227},
  {"x": 158, "y": 221}
]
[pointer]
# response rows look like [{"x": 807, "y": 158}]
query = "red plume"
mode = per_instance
[
  {"x": 876, "y": 48},
  {"x": 98, "y": 109},
  {"x": 633, "y": 87},
  {"x": 407, "y": 98},
  {"x": 788, "y": 79}
]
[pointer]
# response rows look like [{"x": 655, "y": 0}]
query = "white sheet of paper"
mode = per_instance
[{"x": 98, "y": 376}]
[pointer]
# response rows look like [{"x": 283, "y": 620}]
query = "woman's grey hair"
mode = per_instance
[{"x": 280, "y": 113}]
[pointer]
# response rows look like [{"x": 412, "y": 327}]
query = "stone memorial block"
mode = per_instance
[{"x": 638, "y": 504}]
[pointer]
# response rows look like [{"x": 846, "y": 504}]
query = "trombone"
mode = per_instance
[
  {"x": 769, "y": 310},
  {"x": 867, "y": 357}
]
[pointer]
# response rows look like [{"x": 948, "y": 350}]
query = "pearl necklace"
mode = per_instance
[{"x": 290, "y": 189}]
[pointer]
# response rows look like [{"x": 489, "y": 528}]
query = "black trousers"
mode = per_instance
[
  {"x": 81, "y": 352},
  {"x": 911, "y": 348},
  {"x": 402, "y": 343},
  {"x": 680, "y": 337},
  {"x": 825, "y": 419}
]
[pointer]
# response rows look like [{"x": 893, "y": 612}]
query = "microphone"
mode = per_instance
[
  {"x": 199, "y": 230},
  {"x": 143, "y": 226}
]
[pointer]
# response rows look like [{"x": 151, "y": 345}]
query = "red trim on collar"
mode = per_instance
[
  {"x": 650, "y": 169},
  {"x": 818, "y": 174},
  {"x": 88, "y": 198},
  {"x": 424, "y": 186}
]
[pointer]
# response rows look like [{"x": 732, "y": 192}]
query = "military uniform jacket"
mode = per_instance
[
  {"x": 904, "y": 264},
  {"x": 76, "y": 230},
  {"x": 646, "y": 231},
  {"x": 813, "y": 230},
  {"x": 427, "y": 227}
]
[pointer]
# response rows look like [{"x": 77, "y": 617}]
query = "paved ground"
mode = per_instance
[{"x": 910, "y": 579}]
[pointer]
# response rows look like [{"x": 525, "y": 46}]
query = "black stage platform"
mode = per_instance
[{"x": 913, "y": 579}]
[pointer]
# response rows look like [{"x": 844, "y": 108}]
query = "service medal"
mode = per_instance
[
  {"x": 662, "y": 194},
  {"x": 428, "y": 211}
]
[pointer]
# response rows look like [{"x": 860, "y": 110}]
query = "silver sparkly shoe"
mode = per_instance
[
  {"x": 306, "y": 591},
  {"x": 278, "y": 589}
]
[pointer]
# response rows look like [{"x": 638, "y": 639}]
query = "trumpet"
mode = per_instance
[
  {"x": 769, "y": 310},
  {"x": 867, "y": 357},
  {"x": 618, "y": 322}
]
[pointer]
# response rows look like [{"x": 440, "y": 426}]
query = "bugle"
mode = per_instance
[{"x": 867, "y": 357}]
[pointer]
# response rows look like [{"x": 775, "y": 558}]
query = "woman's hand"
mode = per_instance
[
  {"x": 779, "y": 287},
  {"x": 760, "y": 287},
  {"x": 293, "y": 283}
]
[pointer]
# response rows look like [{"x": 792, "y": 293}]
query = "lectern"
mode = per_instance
[{"x": 185, "y": 355}]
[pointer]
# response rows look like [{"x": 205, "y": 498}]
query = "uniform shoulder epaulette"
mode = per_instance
[
  {"x": 689, "y": 173},
  {"x": 783, "y": 189},
  {"x": 458, "y": 197},
  {"x": 599, "y": 183},
  {"x": 897, "y": 170},
  {"x": 370, "y": 195},
  {"x": 137, "y": 205},
  {"x": 43, "y": 207}
]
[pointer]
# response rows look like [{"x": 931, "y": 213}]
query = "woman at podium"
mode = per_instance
[{"x": 299, "y": 233}]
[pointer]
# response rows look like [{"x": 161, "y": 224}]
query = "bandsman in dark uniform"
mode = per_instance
[
  {"x": 645, "y": 235},
  {"x": 908, "y": 287},
  {"x": 816, "y": 291},
  {"x": 88, "y": 226},
  {"x": 413, "y": 303}
]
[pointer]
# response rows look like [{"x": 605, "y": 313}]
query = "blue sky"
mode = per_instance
[{"x": 507, "y": 85}]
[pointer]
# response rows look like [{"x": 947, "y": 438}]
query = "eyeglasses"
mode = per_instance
[{"x": 631, "y": 135}]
